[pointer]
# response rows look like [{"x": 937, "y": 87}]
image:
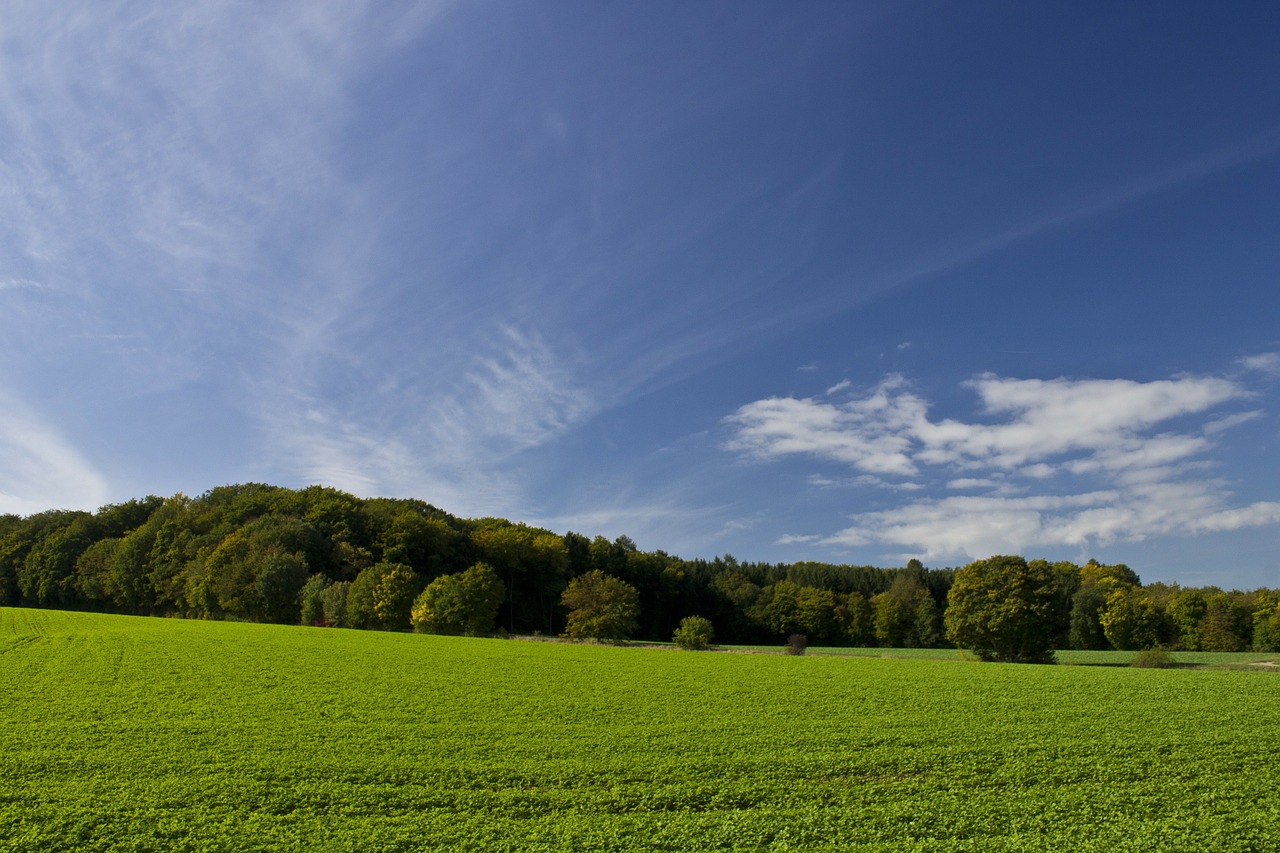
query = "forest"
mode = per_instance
[{"x": 320, "y": 556}]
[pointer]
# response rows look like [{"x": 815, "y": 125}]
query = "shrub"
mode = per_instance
[
  {"x": 694, "y": 633},
  {"x": 1153, "y": 658},
  {"x": 796, "y": 644}
]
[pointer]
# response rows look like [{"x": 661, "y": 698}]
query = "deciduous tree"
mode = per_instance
[
  {"x": 1005, "y": 609},
  {"x": 464, "y": 603},
  {"x": 600, "y": 607}
]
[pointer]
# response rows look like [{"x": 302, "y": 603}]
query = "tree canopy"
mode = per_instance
[
  {"x": 601, "y": 607},
  {"x": 1006, "y": 609},
  {"x": 321, "y": 556},
  {"x": 465, "y": 603}
]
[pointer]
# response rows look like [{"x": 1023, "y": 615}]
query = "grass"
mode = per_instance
[{"x": 121, "y": 734}]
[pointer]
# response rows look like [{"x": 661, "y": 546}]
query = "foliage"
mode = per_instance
[
  {"x": 279, "y": 584},
  {"x": 464, "y": 603},
  {"x": 1130, "y": 620},
  {"x": 694, "y": 634},
  {"x": 381, "y": 597},
  {"x": 796, "y": 644},
  {"x": 359, "y": 606},
  {"x": 1186, "y": 613},
  {"x": 393, "y": 596},
  {"x": 1006, "y": 609},
  {"x": 333, "y": 603},
  {"x": 244, "y": 552},
  {"x": 1155, "y": 657},
  {"x": 1266, "y": 623},
  {"x": 1227, "y": 625},
  {"x": 311, "y": 600},
  {"x": 601, "y": 607},
  {"x": 905, "y": 615},
  {"x": 1087, "y": 607},
  {"x": 854, "y": 614}
]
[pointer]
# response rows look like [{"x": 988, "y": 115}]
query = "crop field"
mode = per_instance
[{"x": 121, "y": 733}]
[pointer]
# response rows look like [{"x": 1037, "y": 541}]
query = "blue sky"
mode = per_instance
[{"x": 854, "y": 282}]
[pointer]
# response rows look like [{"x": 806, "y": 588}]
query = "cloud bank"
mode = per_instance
[{"x": 1058, "y": 462}]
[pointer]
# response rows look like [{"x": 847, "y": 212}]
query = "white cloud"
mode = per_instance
[
  {"x": 39, "y": 469},
  {"x": 868, "y": 433},
  {"x": 522, "y": 396},
  {"x": 972, "y": 483},
  {"x": 452, "y": 446},
  {"x": 1222, "y": 424},
  {"x": 965, "y": 525},
  {"x": 1267, "y": 362},
  {"x": 1042, "y": 432},
  {"x": 839, "y": 386},
  {"x": 888, "y": 430}
]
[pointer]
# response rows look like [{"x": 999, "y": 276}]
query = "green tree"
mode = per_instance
[
  {"x": 46, "y": 576},
  {"x": 1096, "y": 583},
  {"x": 312, "y": 600},
  {"x": 280, "y": 578},
  {"x": 600, "y": 607},
  {"x": 905, "y": 615},
  {"x": 854, "y": 615},
  {"x": 777, "y": 608},
  {"x": 815, "y": 613},
  {"x": 359, "y": 610},
  {"x": 889, "y": 621},
  {"x": 1005, "y": 609},
  {"x": 333, "y": 601},
  {"x": 393, "y": 596},
  {"x": 464, "y": 603},
  {"x": 1266, "y": 622},
  {"x": 926, "y": 632},
  {"x": 1131, "y": 620},
  {"x": 1227, "y": 625},
  {"x": 694, "y": 633},
  {"x": 93, "y": 572},
  {"x": 1187, "y": 611}
]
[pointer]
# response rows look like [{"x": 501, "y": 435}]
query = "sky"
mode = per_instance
[{"x": 849, "y": 282}]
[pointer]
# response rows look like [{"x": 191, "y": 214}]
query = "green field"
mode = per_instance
[{"x": 122, "y": 733}]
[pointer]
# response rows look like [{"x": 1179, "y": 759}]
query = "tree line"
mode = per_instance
[{"x": 324, "y": 557}]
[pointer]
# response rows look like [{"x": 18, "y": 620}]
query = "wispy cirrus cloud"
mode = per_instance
[
  {"x": 1134, "y": 442},
  {"x": 451, "y": 442},
  {"x": 172, "y": 179},
  {"x": 39, "y": 467}
]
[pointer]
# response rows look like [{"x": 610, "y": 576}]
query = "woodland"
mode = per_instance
[{"x": 320, "y": 556}]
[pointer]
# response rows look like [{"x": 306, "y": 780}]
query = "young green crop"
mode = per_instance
[{"x": 121, "y": 734}]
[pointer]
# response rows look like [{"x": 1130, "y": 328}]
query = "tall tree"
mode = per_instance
[
  {"x": 600, "y": 607},
  {"x": 464, "y": 603},
  {"x": 1006, "y": 609}
]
